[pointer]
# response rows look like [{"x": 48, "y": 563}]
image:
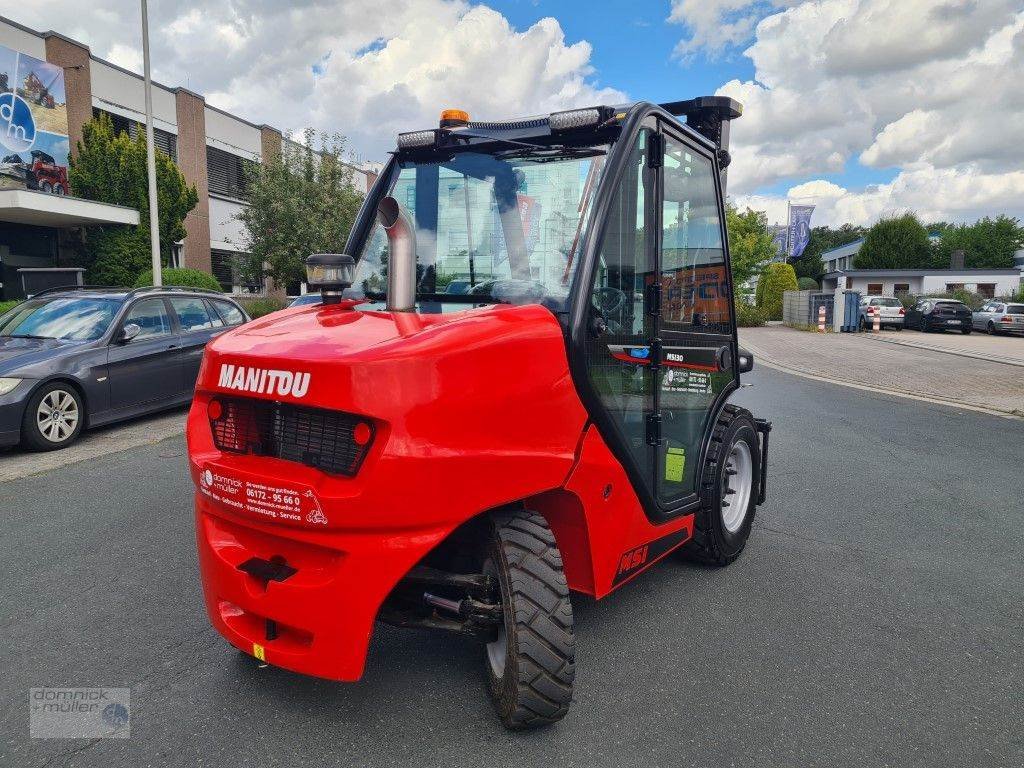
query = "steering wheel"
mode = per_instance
[{"x": 609, "y": 302}]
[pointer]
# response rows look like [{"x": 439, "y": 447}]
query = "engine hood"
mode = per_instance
[
  {"x": 16, "y": 353},
  {"x": 338, "y": 357}
]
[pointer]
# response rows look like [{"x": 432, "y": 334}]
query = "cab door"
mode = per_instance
[
  {"x": 695, "y": 353},
  {"x": 660, "y": 344}
]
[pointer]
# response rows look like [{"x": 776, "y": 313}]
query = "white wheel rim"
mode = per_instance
[
  {"x": 57, "y": 416},
  {"x": 737, "y": 485}
]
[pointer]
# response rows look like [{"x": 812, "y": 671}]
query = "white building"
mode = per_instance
[{"x": 894, "y": 282}]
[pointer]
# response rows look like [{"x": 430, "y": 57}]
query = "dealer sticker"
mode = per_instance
[{"x": 271, "y": 500}]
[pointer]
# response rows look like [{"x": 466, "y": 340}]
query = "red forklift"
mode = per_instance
[{"x": 464, "y": 460}]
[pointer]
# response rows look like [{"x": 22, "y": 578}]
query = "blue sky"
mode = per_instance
[{"x": 864, "y": 107}]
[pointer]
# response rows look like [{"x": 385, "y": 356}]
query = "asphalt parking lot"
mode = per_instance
[{"x": 875, "y": 619}]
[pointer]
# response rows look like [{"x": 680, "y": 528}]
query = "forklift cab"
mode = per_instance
[{"x": 613, "y": 219}]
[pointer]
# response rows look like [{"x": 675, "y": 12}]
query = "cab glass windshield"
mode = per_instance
[
  {"x": 504, "y": 227},
  {"x": 70, "y": 319}
]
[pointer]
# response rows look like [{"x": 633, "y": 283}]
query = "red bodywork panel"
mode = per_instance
[{"x": 471, "y": 410}]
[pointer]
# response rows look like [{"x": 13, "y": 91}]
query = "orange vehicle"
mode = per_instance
[{"x": 463, "y": 460}]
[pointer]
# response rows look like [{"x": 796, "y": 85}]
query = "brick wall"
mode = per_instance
[
  {"x": 74, "y": 58},
  {"x": 191, "y": 115}
]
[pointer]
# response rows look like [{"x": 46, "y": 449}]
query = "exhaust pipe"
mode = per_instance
[{"x": 401, "y": 255}]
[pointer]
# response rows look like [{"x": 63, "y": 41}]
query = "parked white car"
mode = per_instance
[
  {"x": 999, "y": 317},
  {"x": 890, "y": 311}
]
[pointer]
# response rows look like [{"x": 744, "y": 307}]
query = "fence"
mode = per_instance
[{"x": 796, "y": 307}]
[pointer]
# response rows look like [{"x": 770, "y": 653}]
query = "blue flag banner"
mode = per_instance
[
  {"x": 799, "y": 228},
  {"x": 779, "y": 233}
]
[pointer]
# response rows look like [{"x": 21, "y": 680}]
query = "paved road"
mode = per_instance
[
  {"x": 875, "y": 619},
  {"x": 863, "y": 360}
]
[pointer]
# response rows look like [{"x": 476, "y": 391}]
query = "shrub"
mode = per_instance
[
  {"x": 775, "y": 280},
  {"x": 258, "y": 306},
  {"x": 748, "y": 316},
  {"x": 188, "y": 278},
  {"x": 807, "y": 284}
]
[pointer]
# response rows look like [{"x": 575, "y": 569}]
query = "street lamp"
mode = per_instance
[{"x": 154, "y": 215}]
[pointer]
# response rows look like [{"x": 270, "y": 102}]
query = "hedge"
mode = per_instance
[
  {"x": 187, "y": 278},
  {"x": 258, "y": 306},
  {"x": 775, "y": 280}
]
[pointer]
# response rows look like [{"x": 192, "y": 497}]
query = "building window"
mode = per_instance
[
  {"x": 225, "y": 267},
  {"x": 874, "y": 289},
  {"x": 226, "y": 173},
  {"x": 901, "y": 289},
  {"x": 988, "y": 290},
  {"x": 164, "y": 141},
  {"x": 950, "y": 287}
]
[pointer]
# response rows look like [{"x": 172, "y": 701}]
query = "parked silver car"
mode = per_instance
[
  {"x": 999, "y": 317},
  {"x": 889, "y": 310}
]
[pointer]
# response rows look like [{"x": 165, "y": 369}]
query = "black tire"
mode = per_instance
[
  {"x": 32, "y": 434},
  {"x": 530, "y": 683},
  {"x": 992, "y": 331},
  {"x": 714, "y": 541},
  {"x": 965, "y": 331}
]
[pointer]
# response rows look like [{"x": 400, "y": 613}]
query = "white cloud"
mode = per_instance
[
  {"x": 930, "y": 88},
  {"x": 379, "y": 70}
]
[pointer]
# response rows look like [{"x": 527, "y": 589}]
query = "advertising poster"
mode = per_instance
[
  {"x": 34, "y": 142},
  {"x": 799, "y": 229}
]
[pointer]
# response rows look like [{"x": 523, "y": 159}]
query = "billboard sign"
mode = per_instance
[{"x": 34, "y": 144}]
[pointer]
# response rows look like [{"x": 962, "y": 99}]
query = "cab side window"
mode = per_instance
[
  {"x": 192, "y": 314},
  {"x": 151, "y": 316}
]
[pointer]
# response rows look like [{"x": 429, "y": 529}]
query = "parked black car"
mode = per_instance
[
  {"x": 77, "y": 358},
  {"x": 932, "y": 314}
]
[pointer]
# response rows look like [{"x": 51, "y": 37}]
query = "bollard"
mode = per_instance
[
  {"x": 876, "y": 326},
  {"x": 821, "y": 319}
]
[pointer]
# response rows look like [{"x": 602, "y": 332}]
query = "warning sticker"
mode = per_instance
[
  {"x": 269, "y": 500},
  {"x": 675, "y": 464}
]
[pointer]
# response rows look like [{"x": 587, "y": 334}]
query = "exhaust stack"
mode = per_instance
[{"x": 401, "y": 255}]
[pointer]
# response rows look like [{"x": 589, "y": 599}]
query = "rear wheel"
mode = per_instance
[
  {"x": 531, "y": 663},
  {"x": 966, "y": 331},
  {"x": 728, "y": 489},
  {"x": 992, "y": 330},
  {"x": 53, "y": 418}
]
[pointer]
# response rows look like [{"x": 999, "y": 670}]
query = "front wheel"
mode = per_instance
[
  {"x": 729, "y": 484},
  {"x": 966, "y": 331},
  {"x": 531, "y": 662},
  {"x": 53, "y": 418}
]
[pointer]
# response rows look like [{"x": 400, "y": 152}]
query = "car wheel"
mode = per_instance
[
  {"x": 992, "y": 330},
  {"x": 966, "y": 331},
  {"x": 531, "y": 662},
  {"x": 53, "y": 418},
  {"x": 58, "y": 189},
  {"x": 46, "y": 187},
  {"x": 728, "y": 490}
]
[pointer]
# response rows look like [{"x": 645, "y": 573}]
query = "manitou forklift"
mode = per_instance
[{"x": 515, "y": 388}]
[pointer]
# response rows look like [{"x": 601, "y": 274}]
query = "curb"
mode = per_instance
[
  {"x": 761, "y": 359},
  {"x": 949, "y": 351}
]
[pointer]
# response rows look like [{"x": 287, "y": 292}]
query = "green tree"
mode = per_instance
[
  {"x": 301, "y": 201},
  {"x": 900, "y": 242},
  {"x": 750, "y": 245},
  {"x": 987, "y": 244},
  {"x": 824, "y": 239},
  {"x": 111, "y": 168},
  {"x": 775, "y": 280}
]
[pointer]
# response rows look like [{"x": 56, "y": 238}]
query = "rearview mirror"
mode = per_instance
[
  {"x": 129, "y": 332},
  {"x": 746, "y": 361}
]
